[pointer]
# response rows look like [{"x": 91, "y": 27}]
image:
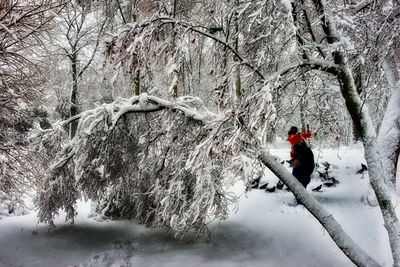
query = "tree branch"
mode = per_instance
[{"x": 192, "y": 28}]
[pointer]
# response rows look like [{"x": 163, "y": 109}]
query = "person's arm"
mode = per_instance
[{"x": 307, "y": 134}]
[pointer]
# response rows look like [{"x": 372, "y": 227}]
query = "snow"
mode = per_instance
[{"x": 263, "y": 231}]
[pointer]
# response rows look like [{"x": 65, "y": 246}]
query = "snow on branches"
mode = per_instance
[
  {"x": 156, "y": 167},
  {"x": 164, "y": 163},
  {"x": 23, "y": 25}
]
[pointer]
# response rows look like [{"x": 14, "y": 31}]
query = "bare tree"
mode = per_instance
[
  {"x": 81, "y": 31},
  {"x": 23, "y": 26}
]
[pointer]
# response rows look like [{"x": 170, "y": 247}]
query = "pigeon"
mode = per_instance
[
  {"x": 329, "y": 184},
  {"x": 333, "y": 180},
  {"x": 264, "y": 186},
  {"x": 318, "y": 188},
  {"x": 271, "y": 189},
  {"x": 363, "y": 169},
  {"x": 323, "y": 175},
  {"x": 279, "y": 185},
  {"x": 255, "y": 183},
  {"x": 326, "y": 164}
]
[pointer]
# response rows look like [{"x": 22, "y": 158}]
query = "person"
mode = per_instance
[
  {"x": 303, "y": 158},
  {"x": 303, "y": 165},
  {"x": 295, "y": 137}
]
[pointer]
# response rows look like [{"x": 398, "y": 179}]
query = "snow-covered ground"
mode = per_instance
[{"x": 263, "y": 231}]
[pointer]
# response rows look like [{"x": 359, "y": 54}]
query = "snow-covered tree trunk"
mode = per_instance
[
  {"x": 389, "y": 132},
  {"x": 335, "y": 230},
  {"x": 363, "y": 123}
]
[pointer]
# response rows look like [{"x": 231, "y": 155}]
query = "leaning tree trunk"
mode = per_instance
[
  {"x": 357, "y": 255},
  {"x": 363, "y": 123}
]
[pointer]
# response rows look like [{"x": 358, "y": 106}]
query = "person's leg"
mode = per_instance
[{"x": 300, "y": 174}]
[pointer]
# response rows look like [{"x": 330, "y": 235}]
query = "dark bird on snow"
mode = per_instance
[
  {"x": 317, "y": 188},
  {"x": 255, "y": 183},
  {"x": 272, "y": 189},
  {"x": 264, "y": 186},
  {"x": 279, "y": 185},
  {"x": 329, "y": 184},
  {"x": 363, "y": 169},
  {"x": 333, "y": 180},
  {"x": 326, "y": 164},
  {"x": 323, "y": 175}
]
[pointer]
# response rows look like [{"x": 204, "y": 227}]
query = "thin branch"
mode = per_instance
[
  {"x": 94, "y": 50},
  {"x": 165, "y": 20}
]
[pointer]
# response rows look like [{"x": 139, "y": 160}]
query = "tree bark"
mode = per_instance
[
  {"x": 137, "y": 83},
  {"x": 389, "y": 132},
  {"x": 74, "y": 96},
  {"x": 238, "y": 82}
]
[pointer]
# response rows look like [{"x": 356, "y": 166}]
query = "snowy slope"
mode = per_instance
[{"x": 264, "y": 231}]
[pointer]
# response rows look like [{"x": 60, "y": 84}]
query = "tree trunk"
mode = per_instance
[
  {"x": 334, "y": 229},
  {"x": 389, "y": 132},
  {"x": 175, "y": 88},
  {"x": 137, "y": 83},
  {"x": 74, "y": 97},
  {"x": 303, "y": 115},
  {"x": 363, "y": 123},
  {"x": 238, "y": 82}
]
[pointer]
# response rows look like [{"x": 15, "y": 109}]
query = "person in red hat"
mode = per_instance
[
  {"x": 295, "y": 137},
  {"x": 302, "y": 157}
]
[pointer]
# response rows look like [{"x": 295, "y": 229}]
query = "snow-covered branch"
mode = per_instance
[
  {"x": 137, "y": 165},
  {"x": 169, "y": 20}
]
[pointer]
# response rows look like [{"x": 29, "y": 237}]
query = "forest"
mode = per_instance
[{"x": 152, "y": 110}]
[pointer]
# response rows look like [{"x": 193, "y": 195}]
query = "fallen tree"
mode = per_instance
[
  {"x": 175, "y": 176},
  {"x": 161, "y": 193}
]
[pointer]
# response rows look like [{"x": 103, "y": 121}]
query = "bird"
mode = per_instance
[
  {"x": 255, "y": 183},
  {"x": 279, "y": 185},
  {"x": 326, "y": 164},
  {"x": 363, "y": 169},
  {"x": 333, "y": 180},
  {"x": 324, "y": 175},
  {"x": 329, "y": 184},
  {"x": 264, "y": 186},
  {"x": 272, "y": 189},
  {"x": 318, "y": 188}
]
